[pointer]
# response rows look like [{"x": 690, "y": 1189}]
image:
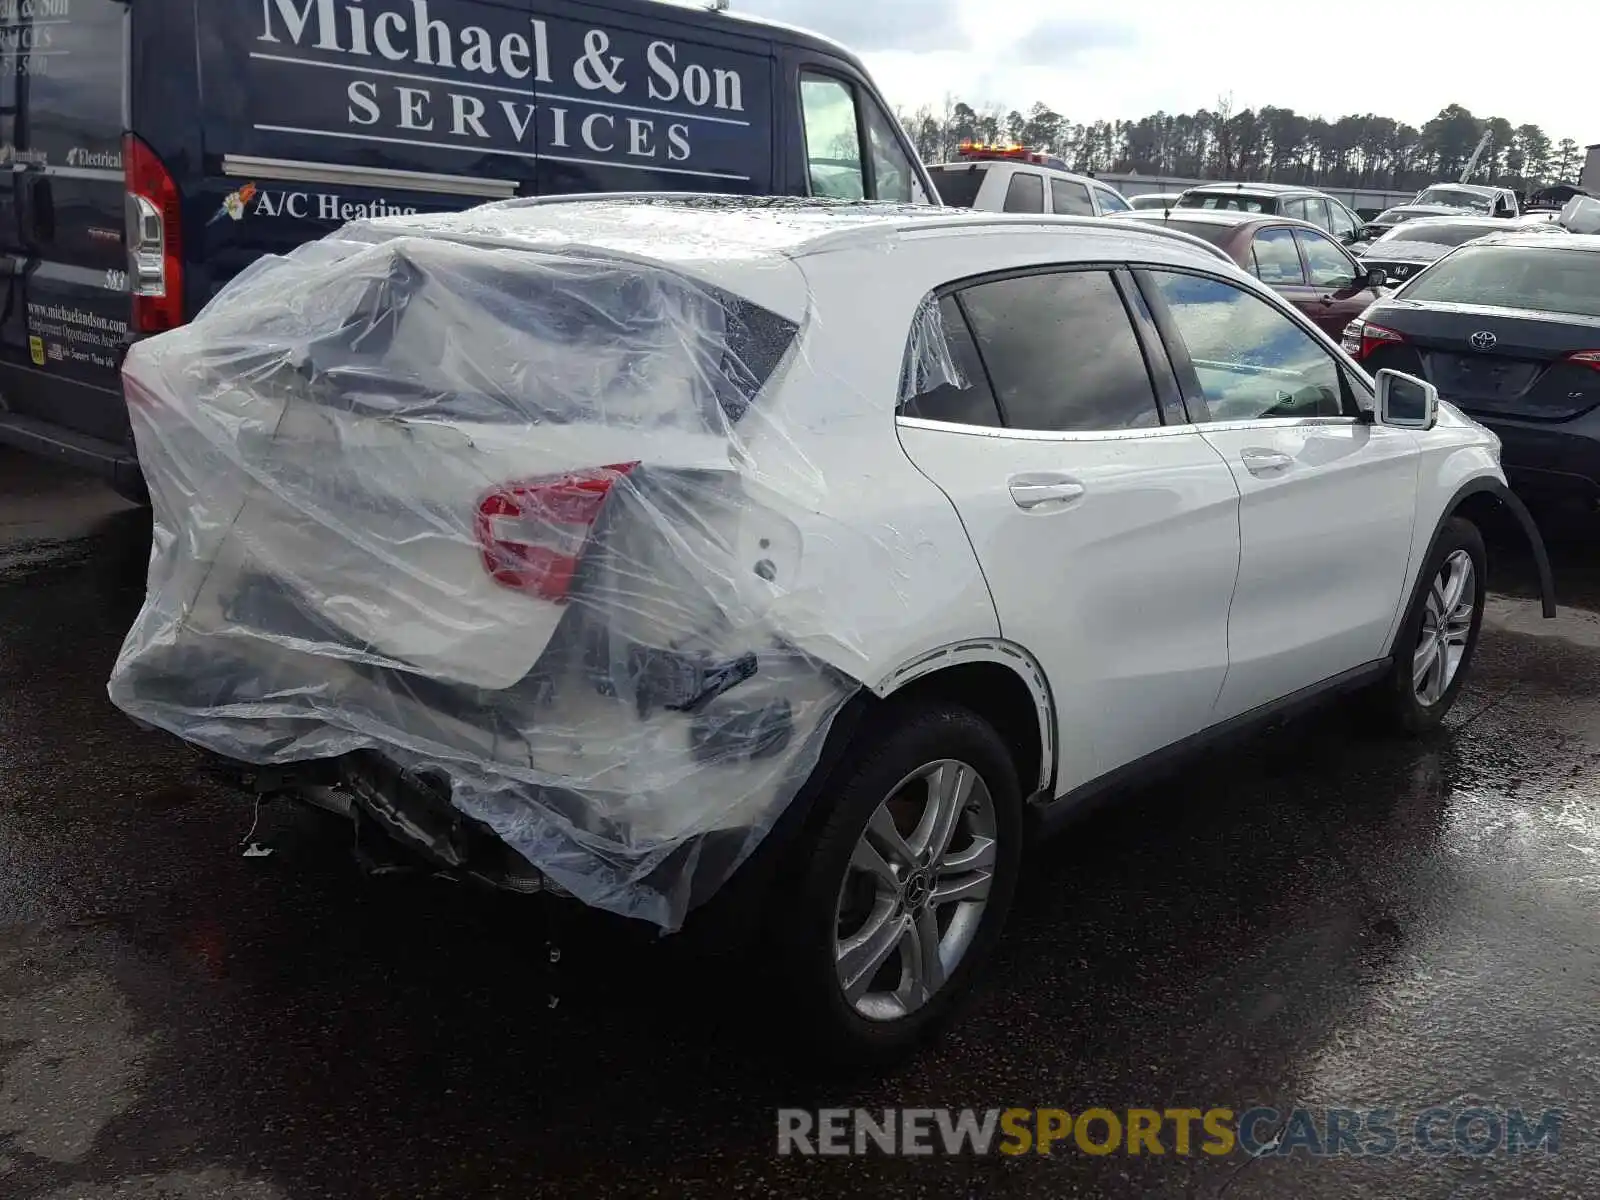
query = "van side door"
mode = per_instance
[{"x": 840, "y": 140}]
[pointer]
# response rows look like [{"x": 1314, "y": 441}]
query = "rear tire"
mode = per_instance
[
  {"x": 1439, "y": 635},
  {"x": 901, "y": 896}
]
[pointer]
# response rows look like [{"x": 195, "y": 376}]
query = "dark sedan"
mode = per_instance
[
  {"x": 1407, "y": 249},
  {"x": 1508, "y": 329},
  {"x": 1298, "y": 260}
]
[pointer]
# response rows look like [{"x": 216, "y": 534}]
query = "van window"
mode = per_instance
[
  {"x": 833, "y": 138},
  {"x": 893, "y": 177}
]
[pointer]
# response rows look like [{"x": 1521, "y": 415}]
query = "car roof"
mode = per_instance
[
  {"x": 1589, "y": 242},
  {"x": 991, "y": 163},
  {"x": 1451, "y": 219},
  {"x": 1260, "y": 189},
  {"x": 725, "y": 240},
  {"x": 1217, "y": 216},
  {"x": 1481, "y": 189}
]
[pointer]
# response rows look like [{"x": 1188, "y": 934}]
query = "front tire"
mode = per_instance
[
  {"x": 1439, "y": 634},
  {"x": 906, "y": 887}
]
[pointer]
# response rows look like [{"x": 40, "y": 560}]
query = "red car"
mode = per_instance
[{"x": 1295, "y": 258}]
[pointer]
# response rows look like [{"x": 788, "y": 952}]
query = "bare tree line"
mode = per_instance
[{"x": 1266, "y": 144}]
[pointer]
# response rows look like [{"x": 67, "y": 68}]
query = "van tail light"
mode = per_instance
[
  {"x": 155, "y": 239},
  {"x": 532, "y": 532},
  {"x": 1362, "y": 338},
  {"x": 1585, "y": 358}
]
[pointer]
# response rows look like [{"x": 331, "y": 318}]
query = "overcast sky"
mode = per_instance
[{"x": 1091, "y": 61}]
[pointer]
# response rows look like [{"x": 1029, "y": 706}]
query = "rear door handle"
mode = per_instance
[
  {"x": 1264, "y": 462},
  {"x": 1035, "y": 491}
]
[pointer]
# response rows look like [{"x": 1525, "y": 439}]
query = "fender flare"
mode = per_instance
[
  {"x": 1489, "y": 485},
  {"x": 1002, "y": 653}
]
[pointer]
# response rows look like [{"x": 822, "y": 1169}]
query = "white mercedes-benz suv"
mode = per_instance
[{"x": 685, "y": 553}]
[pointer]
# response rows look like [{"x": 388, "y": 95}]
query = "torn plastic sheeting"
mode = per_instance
[{"x": 513, "y": 515}]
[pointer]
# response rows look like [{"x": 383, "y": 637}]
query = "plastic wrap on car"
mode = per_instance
[
  {"x": 510, "y": 517},
  {"x": 928, "y": 363}
]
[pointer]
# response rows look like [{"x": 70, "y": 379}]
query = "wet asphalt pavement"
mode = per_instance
[{"x": 1320, "y": 918}]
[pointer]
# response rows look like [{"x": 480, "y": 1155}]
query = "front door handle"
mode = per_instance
[
  {"x": 1036, "y": 491},
  {"x": 1264, "y": 462}
]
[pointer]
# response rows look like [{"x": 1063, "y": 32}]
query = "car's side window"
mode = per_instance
[
  {"x": 833, "y": 138},
  {"x": 1069, "y": 197},
  {"x": 1317, "y": 212},
  {"x": 1110, "y": 201},
  {"x": 1293, "y": 208},
  {"x": 1326, "y": 265},
  {"x": 1277, "y": 259},
  {"x": 1025, "y": 193},
  {"x": 1250, "y": 360},
  {"x": 1061, "y": 350},
  {"x": 971, "y": 402},
  {"x": 1341, "y": 222}
]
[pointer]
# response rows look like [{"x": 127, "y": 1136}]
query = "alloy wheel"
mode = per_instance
[
  {"x": 1446, "y": 628},
  {"x": 915, "y": 891}
]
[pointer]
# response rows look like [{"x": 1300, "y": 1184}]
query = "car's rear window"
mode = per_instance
[
  {"x": 1208, "y": 231},
  {"x": 447, "y": 332},
  {"x": 1541, "y": 278},
  {"x": 1230, "y": 202},
  {"x": 958, "y": 185},
  {"x": 1457, "y": 197}
]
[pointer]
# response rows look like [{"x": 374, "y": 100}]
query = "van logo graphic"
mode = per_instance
[{"x": 234, "y": 204}]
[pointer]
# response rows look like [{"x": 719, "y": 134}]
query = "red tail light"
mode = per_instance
[
  {"x": 155, "y": 239},
  {"x": 1586, "y": 358},
  {"x": 1372, "y": 336},
  {"x": 532, "y": 532}
]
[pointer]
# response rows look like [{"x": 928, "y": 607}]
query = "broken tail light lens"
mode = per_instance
[{"x": 531, "y": 533}]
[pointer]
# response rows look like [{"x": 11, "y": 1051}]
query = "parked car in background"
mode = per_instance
[
  {"x": 1444, "y": 200},
  {"x": 1278, "y": 199},
  {"x": 1409, "y": 247},
  {"x": 1154, "y": 200},
  {"x": 1507, "y": 327},
  {"x": 526, "y": 527},
  {"x": 110, "y": 193},
  {"x": 1011, "y": 178},
  {"x": 1295, "y": 258},
  {"x": 1554, "y": 197}
]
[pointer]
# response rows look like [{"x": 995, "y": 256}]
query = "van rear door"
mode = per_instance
[{"x": 61, "y": 225}]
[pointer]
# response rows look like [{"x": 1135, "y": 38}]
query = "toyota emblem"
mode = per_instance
[{"x": 1483, "y": 340}]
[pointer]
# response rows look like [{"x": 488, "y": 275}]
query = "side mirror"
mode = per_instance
[
  {"x": 1405, "y": 401},
  {"x": 1376, "y": 277}
]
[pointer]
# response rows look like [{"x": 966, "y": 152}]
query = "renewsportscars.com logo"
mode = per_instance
[{"x": 1316, "y": 1133}]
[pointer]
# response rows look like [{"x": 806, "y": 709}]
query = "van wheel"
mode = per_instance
[
  {"x": 906, "y": 887},
  {"x": 1439, "y": 634}
]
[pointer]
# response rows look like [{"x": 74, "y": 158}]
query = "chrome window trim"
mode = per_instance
[{"x": 1120, "y": 435}]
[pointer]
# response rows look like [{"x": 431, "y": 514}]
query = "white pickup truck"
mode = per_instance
[{"x": 1448, "y": 200}]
